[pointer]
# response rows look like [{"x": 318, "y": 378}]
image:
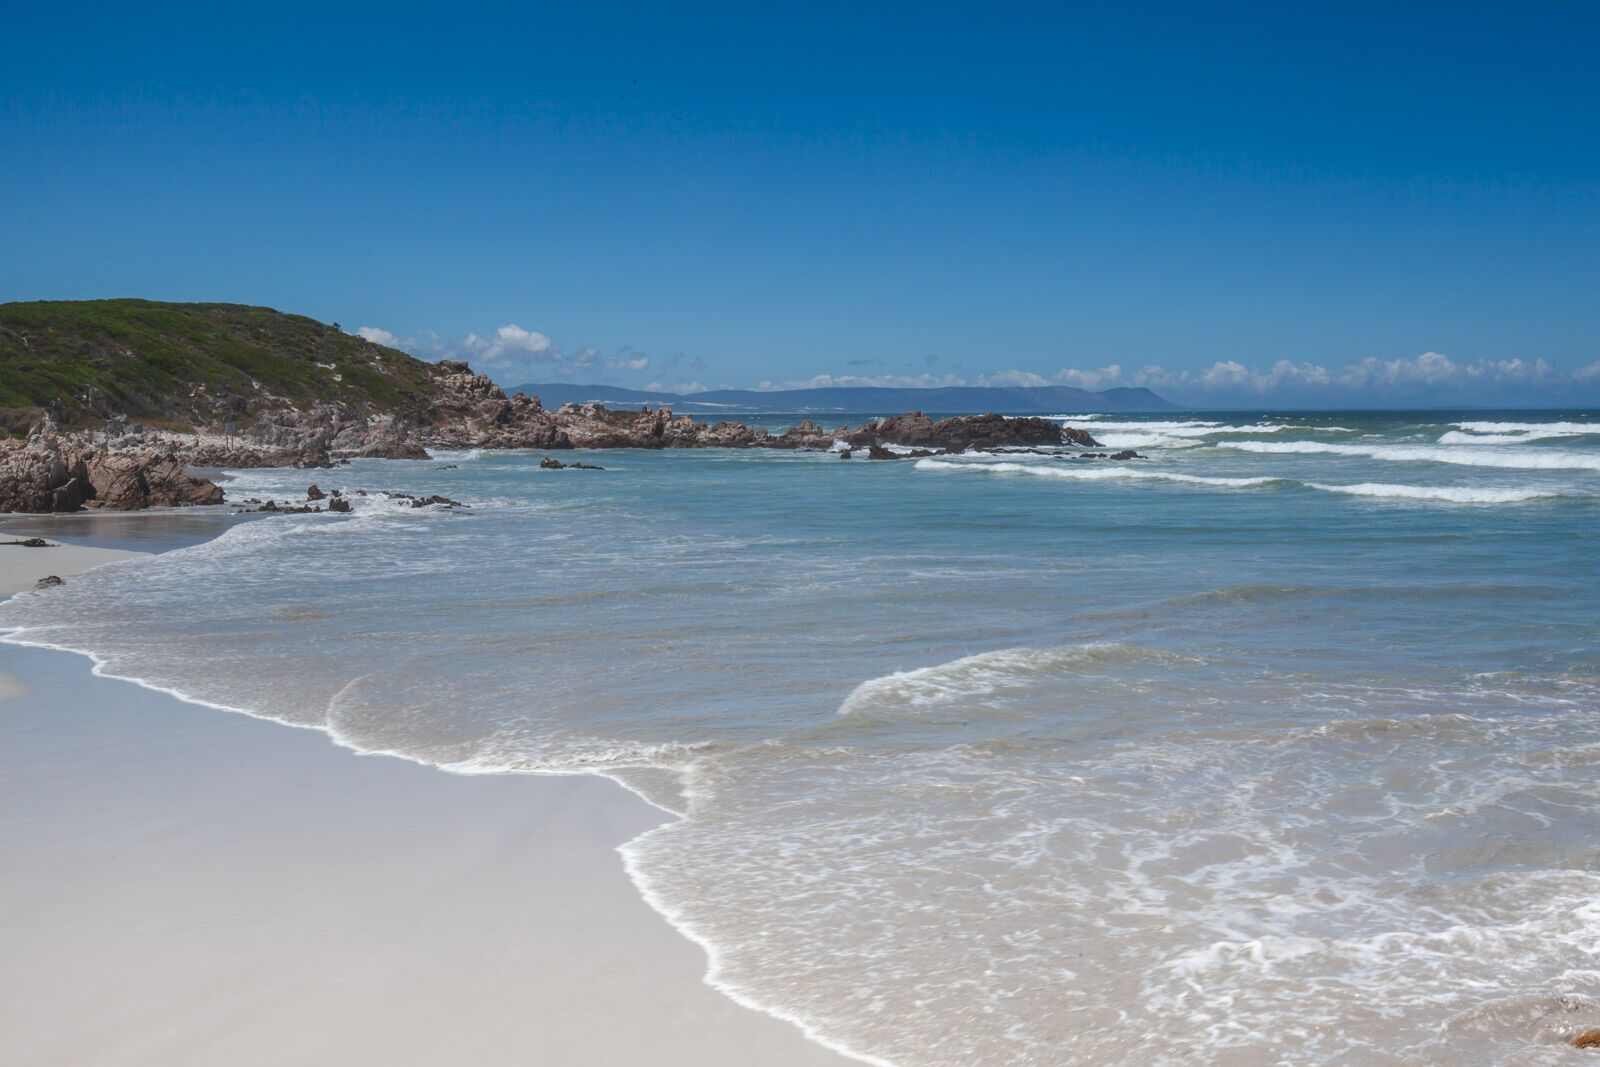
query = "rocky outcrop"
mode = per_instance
[
  {"x": 1073, "y": 436},
  {"x": 808, "y": 436},
  {"x": 43, "y": 476},
  {"x": 51, "y": 473},
  {"x": 961, "y": 432},
  {"x": 596, "y": 426},
  {"x": 134, "y": 479},
  {"x": 391, "y": 445}
]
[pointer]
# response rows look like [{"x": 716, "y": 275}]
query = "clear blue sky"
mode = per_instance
[{"x": 746, "y": 193}]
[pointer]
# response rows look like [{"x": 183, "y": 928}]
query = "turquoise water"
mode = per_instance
[{"x": 1280, "y": 745}]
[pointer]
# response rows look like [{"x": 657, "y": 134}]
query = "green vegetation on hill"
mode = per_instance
[{"x": 187, "y": 365}]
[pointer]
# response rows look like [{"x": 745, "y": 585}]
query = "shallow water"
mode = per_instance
[{"x": 1278, "y": 746}]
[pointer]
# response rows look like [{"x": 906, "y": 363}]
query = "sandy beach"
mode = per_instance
[{"x": 188, "y": 886}]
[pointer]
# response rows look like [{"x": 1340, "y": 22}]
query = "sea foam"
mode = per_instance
[{"x": 1518, "y": 459}]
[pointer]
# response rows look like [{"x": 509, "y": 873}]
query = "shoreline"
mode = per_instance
[{"x": 660, "y": 977}]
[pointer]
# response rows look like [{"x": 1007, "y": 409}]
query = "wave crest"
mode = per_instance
[{"x": 986, "y": 675}]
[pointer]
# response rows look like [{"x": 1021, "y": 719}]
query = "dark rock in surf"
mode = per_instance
[
  {"x": 1073, "y": 436},
  {"x": 806, "y": 437},
  {"x": 961, "y": 432}
]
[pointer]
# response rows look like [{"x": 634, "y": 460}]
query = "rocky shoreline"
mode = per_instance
[{"x": 126, "y": 466}]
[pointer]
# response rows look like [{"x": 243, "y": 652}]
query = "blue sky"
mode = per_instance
[{"x": 1371, "y": 203}]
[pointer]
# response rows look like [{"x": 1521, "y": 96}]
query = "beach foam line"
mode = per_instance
[
  {"x": 716, "y": 970},
  {"x": 1525, "y": 459}
]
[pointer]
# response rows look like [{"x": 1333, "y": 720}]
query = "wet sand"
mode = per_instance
[{"x": 189, "y": 886}]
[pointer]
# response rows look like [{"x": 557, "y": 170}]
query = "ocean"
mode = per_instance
[{"x": 1281, "y": 745}]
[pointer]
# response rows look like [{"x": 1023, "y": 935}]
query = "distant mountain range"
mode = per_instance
[{"x": 1038, "y": 400}]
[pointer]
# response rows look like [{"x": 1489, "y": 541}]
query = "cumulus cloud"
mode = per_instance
[
  {"x": 1100, "y": 378},
  {"x": 514, "y": 354},
  {"x": 1431, "y": 378},
  {"x": 378, "y": 337}
]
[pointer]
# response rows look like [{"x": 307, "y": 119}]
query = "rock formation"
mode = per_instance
[
  {"x": 51, "y": 473},
  {"x": 962, "y": 432}
]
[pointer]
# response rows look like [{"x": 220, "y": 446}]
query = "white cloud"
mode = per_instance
[
  {"x": 1103, "y": 378},
  {"x": 514, "y": 354},
  {"x": 513, "y": 338},
  {"x": 511, "y": 351},
  {"x": 378, "y": 337},
  {"x": 1431, "y": 377}
]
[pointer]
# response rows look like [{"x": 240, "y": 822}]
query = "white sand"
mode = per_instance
[{"x": 185, "y": 886}]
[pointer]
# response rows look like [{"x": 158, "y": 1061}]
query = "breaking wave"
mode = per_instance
[
  {"x": 1093, "y": 474},
  {"x": 1453, "y": 494},
  {"x": 1479, "y": 457},
  {"x": 987, "y": 675},
  {"x": 1444, "y": 494}
]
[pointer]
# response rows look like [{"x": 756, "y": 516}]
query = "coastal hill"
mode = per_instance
[
  {"x": 1021, "y": 400},
  {"x": 188, "y": 365}
]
